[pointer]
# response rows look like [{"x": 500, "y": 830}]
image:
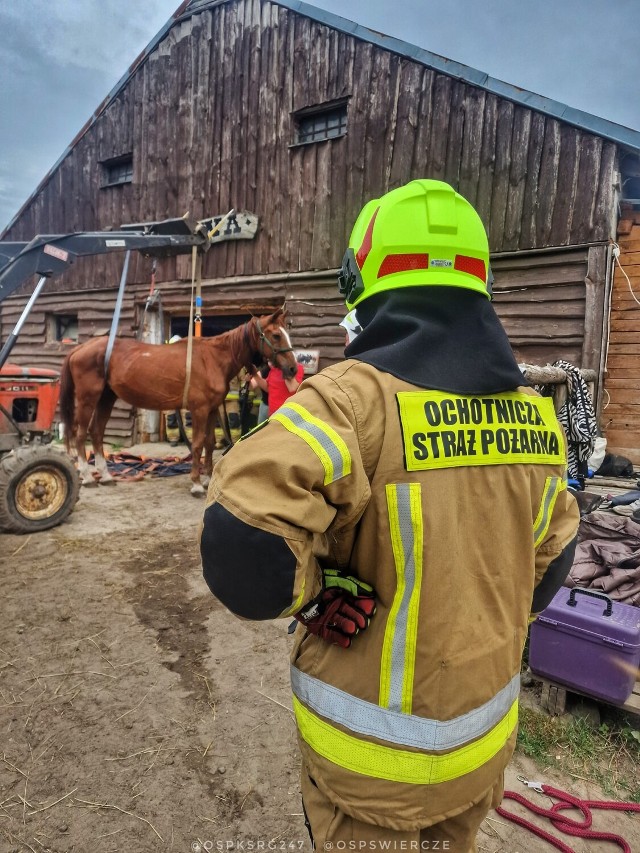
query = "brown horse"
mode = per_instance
[{"x": 152, "y": 376}]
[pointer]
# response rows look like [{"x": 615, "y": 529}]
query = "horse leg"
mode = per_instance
[
  {"x": 84, "y": 412},
  {"x": 96, "y": 430},
  {"x": 198, "y": 424},
  {"x": 209, "y": 443}
]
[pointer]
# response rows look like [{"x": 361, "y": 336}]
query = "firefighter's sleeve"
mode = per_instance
[
  {"x": 286, "y": 495},
  {"x": 554, "y": 554}
]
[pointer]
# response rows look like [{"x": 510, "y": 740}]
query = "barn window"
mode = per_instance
[
  {"x": 62, "y": 328},
  {"x": 314, "y": 124},
  {"x": 119, "y": 170}
]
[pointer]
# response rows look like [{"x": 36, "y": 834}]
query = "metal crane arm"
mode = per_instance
[{"x": 48, "y": 255}]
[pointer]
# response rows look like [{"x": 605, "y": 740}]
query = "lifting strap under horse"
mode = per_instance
[
  {"x": 116, "y": 314},
  {"x": 196, "y": 302},
  {"x": 196, "y": 272},
  {"x": 196, "y": 299}
]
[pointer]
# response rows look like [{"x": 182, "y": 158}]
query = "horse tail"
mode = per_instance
[{"x": 67, "y": 401}]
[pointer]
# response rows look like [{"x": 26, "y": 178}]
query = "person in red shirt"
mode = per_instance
[{"x": 278, "y": 388}]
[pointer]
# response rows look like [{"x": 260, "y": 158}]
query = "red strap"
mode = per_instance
[{"x": 566, "y": 824}]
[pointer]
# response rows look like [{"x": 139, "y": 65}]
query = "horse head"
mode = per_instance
[{"x": 274, "y": 342}]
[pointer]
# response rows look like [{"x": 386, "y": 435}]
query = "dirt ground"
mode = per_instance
[{"x": 138, "y": 715}]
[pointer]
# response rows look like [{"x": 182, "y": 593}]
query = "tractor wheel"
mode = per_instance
[{"x": 38, "y": 489}]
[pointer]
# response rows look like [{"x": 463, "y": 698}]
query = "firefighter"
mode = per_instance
[{"x": 409, "y": 507}]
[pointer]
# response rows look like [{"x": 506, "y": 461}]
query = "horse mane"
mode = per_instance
[{"x": 242, "y": 343}]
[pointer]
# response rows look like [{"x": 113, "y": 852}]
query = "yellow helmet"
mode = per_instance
[{"x": 418, "y": 235}]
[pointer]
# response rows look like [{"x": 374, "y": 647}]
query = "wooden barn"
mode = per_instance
[{"x": 299, "y": 117}]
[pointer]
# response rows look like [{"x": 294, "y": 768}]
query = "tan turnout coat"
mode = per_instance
[{"x": 452, "y": 509}]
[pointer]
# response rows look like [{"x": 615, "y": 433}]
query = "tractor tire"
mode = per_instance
[{"x": 39, "y": 487}]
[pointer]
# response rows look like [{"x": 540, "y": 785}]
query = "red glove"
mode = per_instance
[{"x": 343, "y": 609}]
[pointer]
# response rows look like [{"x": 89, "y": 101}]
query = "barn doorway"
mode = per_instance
[{"x": 212, "y": 325}]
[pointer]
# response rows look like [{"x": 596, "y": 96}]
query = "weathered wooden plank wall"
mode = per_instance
[
  {"x": 621, "y": 411},
  {"x": 541, "y": 298},
  {"x": 208, "y": 118}
]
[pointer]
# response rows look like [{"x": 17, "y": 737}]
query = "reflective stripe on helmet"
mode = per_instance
[
  {"x": 402, "y": 263},
  {"x": 365, "y": 248},
  {"x": 474, "y": 266}
]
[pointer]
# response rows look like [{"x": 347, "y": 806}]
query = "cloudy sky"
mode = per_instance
[{"x": 59, "y": 59}]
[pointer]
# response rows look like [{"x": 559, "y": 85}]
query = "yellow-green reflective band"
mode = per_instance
[
  {"x": 399, "y": 765},
  {"x": 297, "y": 604},
  {"x": 441, "y": 430},
  {"x": 397, "y": 665},
  {"x": 404, "y": 730},
  {"x": 552, "y": 487},
  {"x": 321, "y": 438}
]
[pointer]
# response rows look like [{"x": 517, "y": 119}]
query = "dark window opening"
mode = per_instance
[
  {"x": 118, "y": 171},
  {"x": 631, "y": 190},
  {"x": 320, "y": 123},
  {"x": 24, "y": 410},
  {"x": 62, "y": 328},
  {"x": 211, "y": 325}
]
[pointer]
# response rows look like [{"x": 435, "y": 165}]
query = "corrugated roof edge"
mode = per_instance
[{"x": 623, "y": 136}]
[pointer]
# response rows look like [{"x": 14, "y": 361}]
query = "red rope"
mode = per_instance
[{"x": 566, "y": 824}]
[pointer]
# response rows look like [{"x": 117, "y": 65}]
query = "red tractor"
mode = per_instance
[{"x": 38, "y": 484}]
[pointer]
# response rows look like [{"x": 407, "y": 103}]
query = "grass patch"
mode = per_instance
[{"x": 608, "y": 754}]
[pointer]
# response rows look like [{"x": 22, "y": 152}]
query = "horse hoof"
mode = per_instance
[
  {"x": 109, "y": 482},
  {"x": 89, "y": 484},
  {"x": 205, "y": 481},
  {"x": 197, "y": 490}
]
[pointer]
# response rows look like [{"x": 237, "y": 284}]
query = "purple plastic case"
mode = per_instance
[{"x": 585, "y": 640}]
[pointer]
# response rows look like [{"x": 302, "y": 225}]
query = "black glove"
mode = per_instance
[{"x": 341, "y": 610}]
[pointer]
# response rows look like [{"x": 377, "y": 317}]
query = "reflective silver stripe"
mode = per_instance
[
  {"x": 311, "y": 426},
  {"x": 365, "y": 718},
  {"x": 552, "y": 486},
  {"x": 401, "y": 618}
]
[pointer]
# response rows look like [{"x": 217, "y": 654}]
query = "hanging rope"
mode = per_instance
[
  {"x": 195, "y": 268},
  {"x": 196, "y": 302},
  {"x": 195, "y": 320}
]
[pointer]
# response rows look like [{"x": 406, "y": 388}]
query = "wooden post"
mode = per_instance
[
  {"x": 553, "y": 699},
  {"x": 556, "y": 376}
]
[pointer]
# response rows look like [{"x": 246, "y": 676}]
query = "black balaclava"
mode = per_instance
[{"x": 443, "y": 338}]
